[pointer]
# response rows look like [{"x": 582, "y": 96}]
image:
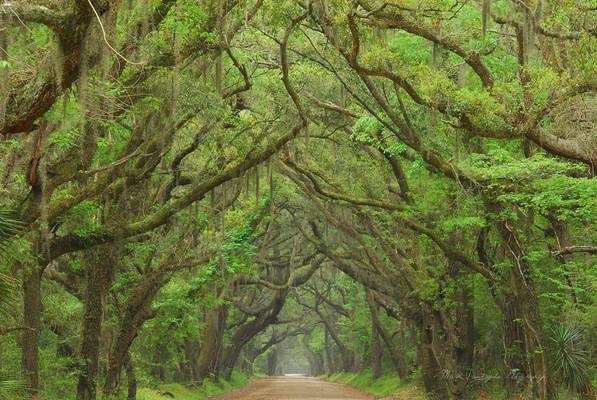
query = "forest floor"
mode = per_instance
[{"x": 295, "y": 388}]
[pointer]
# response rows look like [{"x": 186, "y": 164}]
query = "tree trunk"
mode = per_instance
[
  {"x": 433, "y": 379},
  {"x": 100, "y": 271},
  {"x": 212, "y": 344},
  {"x": 160, "y": 356},
  {"x": 131, "y": 379},
  {"x": 247, "y": 331},
  {"x": 242, "y": 336},
  {"x": 272, "y": 362},
  {"x": 456, "y": 344},
  {"x": 524, "y": 340},
  {"x": 397, "y": 354},
  {"x": 346, "y": 355},
  {"x": 137, "y": 310},
  {"x": 330, "y": 368},
  {"x": 315, "y": 359},
  {"x": 514, "y": 352},
  {"x": 192, "y": 348},
  {"x": 246, "y": 363},
  {"x": 376, "y": 351},
  {"x": 524, "y": 335},
  {"x": 32, "y": 322}
]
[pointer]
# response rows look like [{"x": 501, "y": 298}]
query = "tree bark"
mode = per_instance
[
  {"x": 330, "y": 367},
  {"x": 433, "y": 379},
  {"x": 32, "y": 322},
  {"x": 272, "y": 362},
  {"x": 524, "y": 335},
  {"x": 100, "y": 267},
  {"x": 315, "y": 359},
  {"x": 376, "y": 351},
  {"x": 212, "y": 345},
  {"x": 347, "y": 356},
  {"x": 192, "y": 348},
  {"x": 131, "y": 379},
  {"x": 137, "y": 310},
  {"x": 457, "y": 343},
  {"x": 249, "y": 330},
  {"x": 398, "y": 355}
]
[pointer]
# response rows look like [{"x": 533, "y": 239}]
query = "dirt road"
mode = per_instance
[{"x": 295, "y": 388}]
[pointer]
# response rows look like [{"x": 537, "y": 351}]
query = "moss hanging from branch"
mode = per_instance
[{"x": 486, "y": 15}]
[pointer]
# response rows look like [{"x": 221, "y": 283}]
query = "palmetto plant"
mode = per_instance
[
  {"x": 10, "y": 390},
  {"x": 9, "y": 227},
  {"x": 570, "y": 358}
]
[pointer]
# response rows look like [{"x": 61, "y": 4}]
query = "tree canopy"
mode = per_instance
[{"x": 193, "y": 189}]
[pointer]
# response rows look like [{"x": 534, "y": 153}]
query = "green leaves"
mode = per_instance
[
  {"x": 462, "y": 222},
  {"x": 83, "y": 219},
  {"x": 570, "y": 358},
  {"x": 9, "y": 227},
  {"x": 365, "y": 130},
  {"x": 64, "y": 139},
  {"x": 185, "y": 24},
  {"x": 10, "y": 389},
  {"x": 567, "y": 198}
]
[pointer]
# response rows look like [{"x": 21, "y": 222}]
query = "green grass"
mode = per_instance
[
  {"x": 386, "y": 385},
  {"x": 181, "y": 392}
]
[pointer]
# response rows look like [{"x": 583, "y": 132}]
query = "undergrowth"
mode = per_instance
[
  {"x": 388, "y": 384},
  {"x": 181, "y": 392}
]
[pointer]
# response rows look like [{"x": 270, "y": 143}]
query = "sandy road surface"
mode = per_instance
[{"x": 295, "y": 388}]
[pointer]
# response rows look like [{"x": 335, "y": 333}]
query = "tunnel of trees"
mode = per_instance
[{"x": 193, "y": 189}]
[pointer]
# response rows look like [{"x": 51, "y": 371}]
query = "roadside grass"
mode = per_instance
[
  {"x": 182, "y": 392},
  {"x": 386, "y": 385}
]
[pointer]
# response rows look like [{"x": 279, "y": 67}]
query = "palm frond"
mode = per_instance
[
  {"x": 8, "y": 293},
  {"x": 10, "y": 226},
  {"x": 12, "y": 390},
  {"x": 571, "y": 360}
]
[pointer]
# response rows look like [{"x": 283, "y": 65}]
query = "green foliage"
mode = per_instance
[
  {"x": 83, "y": 219},
  {"x": 12, "y": 390},
  {"x": 365, "y": 129},
  {"x": 567, "y": 198},
  {"x": 571, "y": 360},
  {"x": 185, "y": 25},
  {"x": 207, "y": 389},
  {"x": 238, "y": 250},
  {"x": 9, "y": 227},
  {"x": 132, "y": 118},
  {"x": 462, "y": 222},
  {"x": 387, "y": 385},
  {"x": 64, "y": 139}
]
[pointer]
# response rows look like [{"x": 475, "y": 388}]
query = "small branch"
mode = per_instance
[
  {"x": 32, "y": 13},
  {"x": 576, "y": 249},
  {"x": 6, "y": 331}
]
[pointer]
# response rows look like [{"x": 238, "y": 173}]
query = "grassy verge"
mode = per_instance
[
  {"x": 181, "y": 392},
  {"x": 386, "y": 385}
]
